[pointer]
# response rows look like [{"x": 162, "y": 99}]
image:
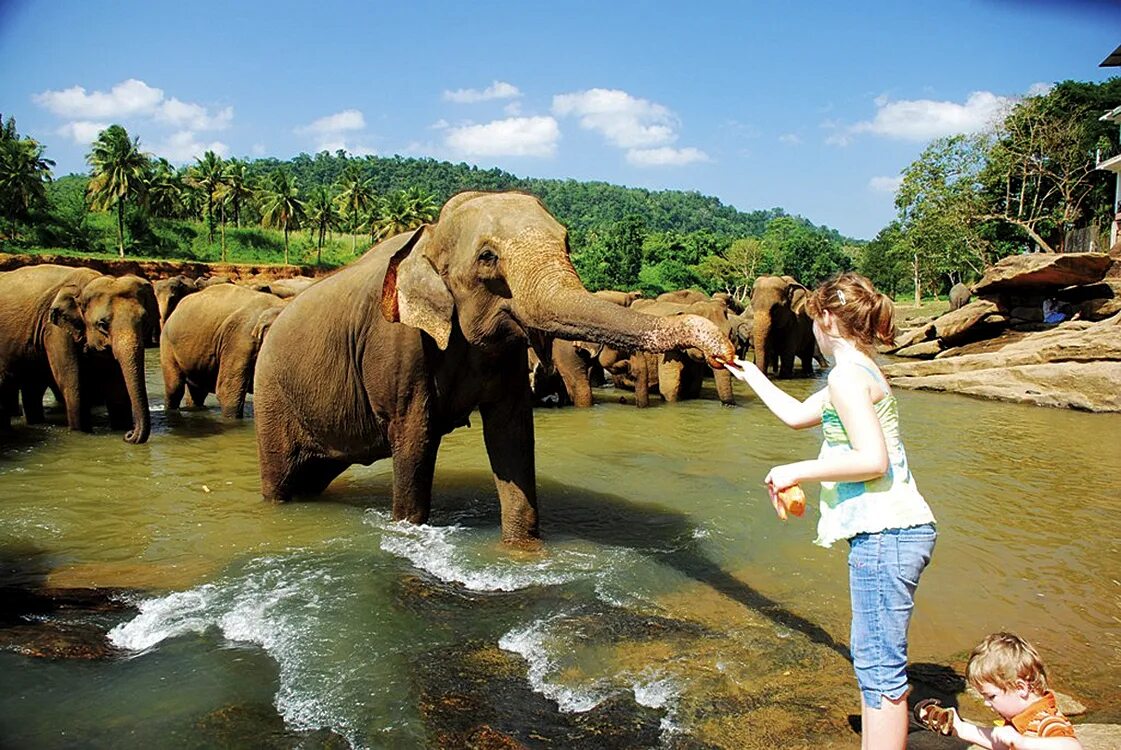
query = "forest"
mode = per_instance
[{"x": 1027, "y": 183}]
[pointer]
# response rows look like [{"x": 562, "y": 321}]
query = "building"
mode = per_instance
[{"x": 1113, "y": 164}]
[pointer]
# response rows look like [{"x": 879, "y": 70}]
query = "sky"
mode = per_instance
[{"x": 812, "y": 107}]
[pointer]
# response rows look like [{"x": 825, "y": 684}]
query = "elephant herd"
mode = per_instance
[{"x": 383, "y": 357}]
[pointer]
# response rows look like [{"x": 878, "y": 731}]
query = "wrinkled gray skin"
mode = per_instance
[
  {"x": 960, "y": 295},
  {"x": 782, "y": 327},
  {"x": 81, "y": 334},
  {"x": 384, "y": 357},
  {"x": 210, "y": 345},
  {"x": 170, "y": 292},
  {"x": 284, "y": 288}
]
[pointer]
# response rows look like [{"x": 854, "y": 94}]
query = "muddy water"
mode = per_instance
[{"x": 669, "y": 606}]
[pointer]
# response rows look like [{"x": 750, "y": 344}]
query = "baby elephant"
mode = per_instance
[{"x": 210, "y": 345}]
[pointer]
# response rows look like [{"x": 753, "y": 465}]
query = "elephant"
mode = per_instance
[
  {"x": 284, "y": 288},
  {"x": 960, "y": 295},
  {"x": 81, "y": 334},
  {"x": 389, "y": 354},
  {"x": 211, "y": 345},
  {"x": 206, "y": 281},
  {"x": 170, "y": 292},
  {"x": 683, "y": 296},
  {"x": 782, "y": 327}
]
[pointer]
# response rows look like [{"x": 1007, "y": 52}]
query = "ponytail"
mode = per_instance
[{"x": 862, "y": 314}]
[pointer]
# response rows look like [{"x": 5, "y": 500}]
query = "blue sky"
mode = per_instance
[{"x": 812, "y": 107}]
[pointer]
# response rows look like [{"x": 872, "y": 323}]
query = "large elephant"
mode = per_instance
[
  {"x": 170, "y": 292},
  {"x": 782, "y": 327},
  {"x": 83, "y": 335},
  {"x": 211, "y": 345},
  {"x": 959, "y": 296},
  {"x": 389, "y": 354},
  {"x": 284, "y": 288}
]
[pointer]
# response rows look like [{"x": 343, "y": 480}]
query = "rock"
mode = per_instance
[
  {"x": 1099, "y": 309},
  {"x": 1068, "y": 705},
  {"x": 1028, "y": 314},
  {"x": 1074, "y": 364},
  {"x": 1043, "y": 270},
  {"x": 923, "y": 349},
  {"x": 1099, "y": 736},
  {"x": 915, "y": 335},
  {"x": 956, "y": 325}
]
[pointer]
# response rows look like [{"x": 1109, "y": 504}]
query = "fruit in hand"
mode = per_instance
[{"x": 794, "y": 499}]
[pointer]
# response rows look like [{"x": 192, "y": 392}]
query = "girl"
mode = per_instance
[{"x": 868, "y": 495}]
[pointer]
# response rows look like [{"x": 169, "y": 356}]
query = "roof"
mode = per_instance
[{"x": 1113, "y": 60}]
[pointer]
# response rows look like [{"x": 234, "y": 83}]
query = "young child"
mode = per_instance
[
  {"x": 868, "y": 496},
  {"x": 1008, "y": 673}
]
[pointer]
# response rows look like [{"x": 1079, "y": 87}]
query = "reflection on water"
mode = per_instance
[{"x": 666, "y": 581}]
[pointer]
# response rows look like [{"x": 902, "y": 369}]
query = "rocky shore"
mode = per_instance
[{"x": 1010, "y": 343}]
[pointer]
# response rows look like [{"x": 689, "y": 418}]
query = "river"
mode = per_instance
[{"x": 669, "y": 607}]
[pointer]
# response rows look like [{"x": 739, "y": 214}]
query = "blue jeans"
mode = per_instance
[{"x": 884, "y": 570}]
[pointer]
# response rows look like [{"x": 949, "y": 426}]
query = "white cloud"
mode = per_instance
[
  {"x": 1040, "y": 89},
  {"x": 665, "y": 156},
  {"x": 440, "y": 124},
  {"x": 193, "y": 116},
  {"x": 183, "y": 146},
  {"x": 885, "y": 184},
  {"x": 82, "y": 132},
  {"x": 791, "y": 139},
  {"x": 513, "y": 109},
  {"x": 624, "y": 120},
  {"x": 131, "y": 97},
  {"x": 258, "y": 149},
  {"x": 340, "y": 122},
  {"x": 514, "y": 136},
  {"x": 926, "y": 119},
  {"x": 497, "y": 90}
]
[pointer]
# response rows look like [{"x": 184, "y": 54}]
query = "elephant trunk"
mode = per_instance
[
  {"x": 761, "y": 329},
  {"x": 556, "y": 302},
  {"x": 129, "y": 353}
]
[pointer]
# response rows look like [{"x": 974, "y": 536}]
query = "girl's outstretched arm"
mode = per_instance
[{"x": 795, "y": 413}]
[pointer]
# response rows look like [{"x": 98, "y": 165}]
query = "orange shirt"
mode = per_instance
[{"x": 1043, "y": 719}]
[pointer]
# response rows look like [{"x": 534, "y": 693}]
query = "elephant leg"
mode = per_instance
[
  {"x": 233, "y": 382},
  {"x": 9, "y": 403},
  {"x": 66, "y": 371},
  {"x": 117, "y": 402},
  {"x": 196, "y": 395},
  {"x": 414, "y": 463},
  {"x": 724, "y": 389},
  {"x": 670, "y": 378},
  {"x": 174, "y": 382},
  {"x": 508, "y": 434},
  {"x": 32, "y": 396},
  {"x": 640, "y": 366}
]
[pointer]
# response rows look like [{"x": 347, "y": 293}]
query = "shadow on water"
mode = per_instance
[
  {"x": 198, "y": 423},
  {"x": 468, "y": 498}
]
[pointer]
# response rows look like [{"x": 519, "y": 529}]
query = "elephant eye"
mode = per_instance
[
  {"x": 103, "y": 325},
  {"x": 488, "y": 256}
]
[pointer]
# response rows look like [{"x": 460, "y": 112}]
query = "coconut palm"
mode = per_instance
[
  {"x": 207, "y": 175},
  {"x": 239, "y": 188},
  {"x": 23, "y": 173},
  {"x": 281, "y": 206},
  {"x": 354, "y": 200},
  {"x": 119, "y": 169},
  {"x": 321, "y": 216},
  {"x": 403, "y": 210},
  {"x": 165, "y": 189}
]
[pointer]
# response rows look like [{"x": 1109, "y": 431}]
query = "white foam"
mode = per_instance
[
  {"x": 530, "y": 642},
  {"x": 166, "y": 617}
]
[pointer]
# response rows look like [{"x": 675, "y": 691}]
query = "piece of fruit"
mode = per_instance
[{"x": 794, "y": 499}]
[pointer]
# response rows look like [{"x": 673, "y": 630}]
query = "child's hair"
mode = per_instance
[
  {"x": 862, "y": 313},
  {"x": 1002, "y": 659}
]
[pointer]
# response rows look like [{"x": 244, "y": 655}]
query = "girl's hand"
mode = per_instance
[
  {"x": 739, "y": 368},
  {"x": 778, "y": 479}
]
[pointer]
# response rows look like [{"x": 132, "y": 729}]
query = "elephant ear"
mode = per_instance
[
  {"x": 413, "y": 292},
  {"x": 66, "y": 313},
  {"x": 264, "y": 323}
]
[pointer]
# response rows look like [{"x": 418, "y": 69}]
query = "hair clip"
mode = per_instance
[{"x": 841, "y": 296}]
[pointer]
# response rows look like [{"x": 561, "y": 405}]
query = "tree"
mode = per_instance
[
  {"x": 354, "y": 201},
  {"x": 119, "y": 169},
  {"x": 401, "y": 211},
  {"x": 238, "y": 187},
  {"x": 623, "y": 247},
  {"x": 886, "y": 260},
  {"x": 23, "y": 174},
  {"x": 321, "y": 216},
  {"x": 207, "y": 176},
  {"x": 281, "y": 206},
  {"x": 165, "y": 189}
]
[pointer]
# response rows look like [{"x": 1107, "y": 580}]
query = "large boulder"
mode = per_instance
[
  {"x": 956, "y": 325},
  {"x": 1075, "y": 364},
  {"x": 1034, "y": 270}
]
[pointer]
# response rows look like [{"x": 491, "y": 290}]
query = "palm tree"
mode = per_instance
[
  {"x": 118, "y": 172},
  {"x": 207, "y": 176},
  {"x": 165, "y": 189},
  {"x": 404, "y": 210},
  {"x": 282, "y": 207},
  {"x": 239, "y": 188},
  {"x": 23, "y": 173},
  {"x": 321, "y": 216},
  {"x": 354, "y": 200}
]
